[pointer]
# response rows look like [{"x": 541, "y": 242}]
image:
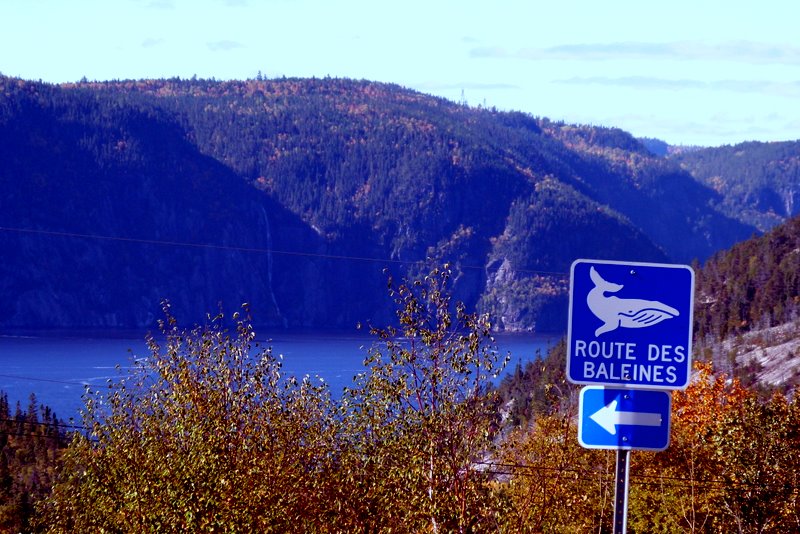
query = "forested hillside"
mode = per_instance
[
  {"x": 759, "y": 183},
  {"x": 747, "y": 301},
  {"x": 31, "y": 441},
  {"x": 295, "y": 194},
  {"x": 755, "y": 284}
]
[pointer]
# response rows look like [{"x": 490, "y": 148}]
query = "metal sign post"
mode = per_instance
[
  {"x": 623, "y": 419},
  {"x": 621, "y": 491}
]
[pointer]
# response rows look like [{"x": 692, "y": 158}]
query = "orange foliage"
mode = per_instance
[{"x": 709, "y": 396}]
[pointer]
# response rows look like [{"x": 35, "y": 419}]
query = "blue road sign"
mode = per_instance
[
  {"x": 630, "y": 324},
  {"x": 624, "y": 419}
]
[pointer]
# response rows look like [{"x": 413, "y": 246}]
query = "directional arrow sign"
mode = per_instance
[
  {"x": 609, "y": 417},
  {"x": 621, "y": 418}
]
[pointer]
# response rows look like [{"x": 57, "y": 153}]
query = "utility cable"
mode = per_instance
[
  {"x": 232, "y": 248},
  {"x": 50, "y": 380}
]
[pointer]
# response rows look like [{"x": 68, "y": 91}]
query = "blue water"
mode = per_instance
[{"x": 58, "y": 368}]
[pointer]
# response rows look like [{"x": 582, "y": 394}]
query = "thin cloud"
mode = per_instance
[
  {"x": 733, "y": 51},
  {"x": 784, "y": 89},
  {"x": 724, "y": 128},
  {"x": 600, "y": 51},
  {"x": 765, "y": 87},
  {"x": 636, "y": 82},
  {"x": 491, "y": 52},
  {"x": 161, "y": 4},
  {"x": 223, "y": 46},
  {"x": 152, "y": 42}
]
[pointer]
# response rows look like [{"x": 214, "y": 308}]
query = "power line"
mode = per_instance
[
  {"x": 706, "y": 482},
  {"x": 256, "y": 250},
  {"x": 42, "y": 423},
  {"x": 197, "y": 245},
  {"x": 541, "y": 468},
  {"x": 64, "y": 438},
  {"x": 12, "y": 434},
  {"x": 516, "y": 469},
  {"x": 50, "y": 380}
]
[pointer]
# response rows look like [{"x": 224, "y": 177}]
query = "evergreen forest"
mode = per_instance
[{"x": 123, "y": 193}]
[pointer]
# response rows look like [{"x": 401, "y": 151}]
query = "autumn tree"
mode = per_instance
[
  {"x": 419, "y": 421},
  {"x": 205, "y": 434},
  {"x": 757, "y": 451},
  {"x": 730, "y": 467},
  {"x": 555, "y": 485}
]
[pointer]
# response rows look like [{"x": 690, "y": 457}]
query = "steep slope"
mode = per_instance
[
  {"x": 747, "y": 307},
  {"x": 756, "y": 283},
  {"x": 334, "y": 151},
  {"x": 665, "y": 202},
  {"x": 350, "y": 177},
  {"x": 758, "y": 183},
  {"x": 107, "y": 210},
  {"x": 427, "y": 177},
  {"x": 526, "y": 274}
]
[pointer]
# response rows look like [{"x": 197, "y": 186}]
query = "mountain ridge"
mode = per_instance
[{"x": 321, "y": 170}]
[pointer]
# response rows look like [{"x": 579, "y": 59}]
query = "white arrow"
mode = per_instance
[{"x": 608, "y": 417}]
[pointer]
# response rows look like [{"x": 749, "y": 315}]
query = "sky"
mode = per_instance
[{"x": 689, "y": 72}]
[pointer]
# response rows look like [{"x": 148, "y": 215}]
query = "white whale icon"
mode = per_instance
[{"x": 627, "y": 313}]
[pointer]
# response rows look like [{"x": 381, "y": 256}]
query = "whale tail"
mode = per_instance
[
  {"x": 607, "y": 327},
  {"x": 603, "y": 285}
]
